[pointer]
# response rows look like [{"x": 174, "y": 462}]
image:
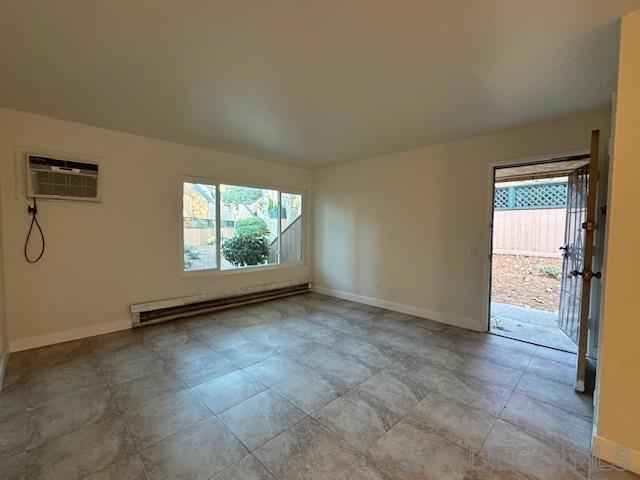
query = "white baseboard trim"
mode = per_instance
[
  {"x": 441, "y": 317},
  {"x": 67, "y": 335},
  {"x": 616, "y": 454}
]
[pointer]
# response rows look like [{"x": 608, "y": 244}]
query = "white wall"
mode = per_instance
[
  {"x": 4, "y": 342},
  {"x": 102, "y": 258},
  {"x": 418, "y": 221},
  {"x": 415, "y": 221},
  {"x": 617, "y": 411}
]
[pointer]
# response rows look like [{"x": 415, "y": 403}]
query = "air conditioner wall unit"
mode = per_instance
[{"x": 64, "y": 179}]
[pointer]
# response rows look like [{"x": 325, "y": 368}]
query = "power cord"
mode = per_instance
[{"x": 33, "y": 211}]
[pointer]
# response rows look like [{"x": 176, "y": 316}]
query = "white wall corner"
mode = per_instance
[
  {"x": 440, "y": 317},
  {"x": 36, "y": 341},
  {"x": 615, "y": 454},
  {"x": 4, "y": 356}
]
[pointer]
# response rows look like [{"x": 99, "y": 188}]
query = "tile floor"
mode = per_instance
[{"x": 307, "y": 387}]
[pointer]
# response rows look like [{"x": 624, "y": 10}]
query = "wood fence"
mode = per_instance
[
  {"x": 291, "y": 239},
  {"x": 531, "y": 232}
]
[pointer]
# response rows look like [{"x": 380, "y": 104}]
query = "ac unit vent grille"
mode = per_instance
[
  {"x": 57, "y": 178},
  {"x": 64, "y": 185}
]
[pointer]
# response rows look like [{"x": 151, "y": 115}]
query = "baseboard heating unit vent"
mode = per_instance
[{"x": 155, "y": 312}]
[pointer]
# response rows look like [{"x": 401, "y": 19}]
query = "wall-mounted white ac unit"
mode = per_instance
[{"x": 50, "y": 177}]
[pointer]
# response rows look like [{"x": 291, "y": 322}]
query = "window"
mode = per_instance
[
  {"x": 199, "y": 226},
  {"x": 230, "y": 227},
  {"x": 291, "y": 227},
  {"x": 253, "y": 238}
]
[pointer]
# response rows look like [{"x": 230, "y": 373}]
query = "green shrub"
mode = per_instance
[
  {"x": 252, "y": 227},
  {"x": 550, "y": 271},
  {"x": 190, "y": 254},
  {"x": 244, "y": 250}
]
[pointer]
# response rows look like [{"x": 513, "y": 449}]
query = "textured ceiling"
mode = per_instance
[{"x": 308, "y": 82}]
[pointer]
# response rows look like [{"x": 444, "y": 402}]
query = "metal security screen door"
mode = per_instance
[
  {"x": 575, "y": 292},
  {"x": 571, "y": 287}
]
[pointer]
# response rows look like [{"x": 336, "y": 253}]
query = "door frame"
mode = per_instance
[{"x": 548, "y": 158}]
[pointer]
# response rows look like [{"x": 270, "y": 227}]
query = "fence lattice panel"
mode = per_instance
[
  {"x": 537, "y": 195},
  {"x": 501, "y": 198},
  {"x": 193, "y": 222}
]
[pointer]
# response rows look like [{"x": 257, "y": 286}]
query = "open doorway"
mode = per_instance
[{"x": 529, "y": 248}]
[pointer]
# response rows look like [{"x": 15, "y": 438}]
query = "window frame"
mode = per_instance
[
  {"x": 218, "y": 270},
  {"x": 211, "y": 183}
]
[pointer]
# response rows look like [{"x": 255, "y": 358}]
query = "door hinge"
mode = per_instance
[{"x": 589, "y": 225}]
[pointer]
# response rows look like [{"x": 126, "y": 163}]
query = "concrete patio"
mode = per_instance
[{"x": 529, "y": 324}]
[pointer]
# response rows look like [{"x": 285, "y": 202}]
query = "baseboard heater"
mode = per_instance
[{"x": 146, "y": 314}]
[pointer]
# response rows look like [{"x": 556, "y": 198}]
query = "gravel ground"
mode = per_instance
[
  {"x": 519, "y": 281},
  {"x": 207, "y": 257}
]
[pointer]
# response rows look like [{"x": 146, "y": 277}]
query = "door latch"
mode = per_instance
[{"x": 587, "y": 274}]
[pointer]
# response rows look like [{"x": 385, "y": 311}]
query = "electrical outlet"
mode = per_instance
[{"x": 378, "y": 285}]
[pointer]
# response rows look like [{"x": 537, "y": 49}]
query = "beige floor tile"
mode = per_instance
[
  {"x": 248, "y": 353},
  {"x": 246, "y": 469},
  {"x": 13, "y": 468},
  {"x": 567, "y": 358},
  {"x": 397, "y": 393},
  {"x": 62, "y": 381},
  {"x": 556, "y": 393},
  {"x": 78, "y": 454},
  {"x": 309, "y": 391},
  {"x": 549, "y": 421},
  {"x": 71, "y": 414},
  {"x": 199, "y": 452},
  {"x": 357, "y": 418},
  {"x": 13, "y": 433},
  {"x": 365, "y": 469},
  {"x": 260, "y": 418},
  {"x": 228, "y": 390},
  {"x": 532, "y": 456},
  {"x": 165, "y": 416},
  {"x": 130, "y": 468},
  {"x": 203, "y": 369},
  {"x": 459, "y": 423},
  {"x": 409, "y": 451},
  {"x": 276, "y": 369},
  {"x": 469, "y": 390},
  {"x": 558, "y": 371},
  {"x": 126, "y": 369},
  {"x": 308, "y": 451},
  {"x": 389, "y": 395},
  {"x": 140, "y": 391},
  {"x": 185, "y": 352}
]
